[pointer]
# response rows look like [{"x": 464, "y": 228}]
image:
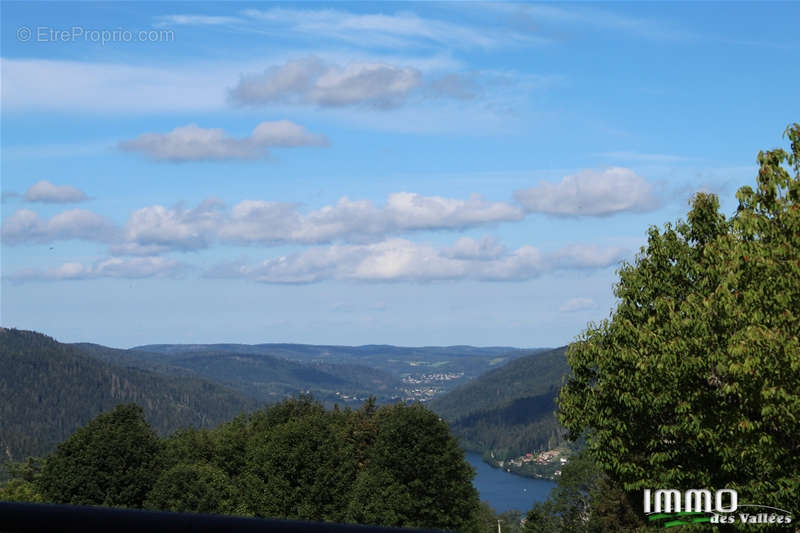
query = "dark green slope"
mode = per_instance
[
  {"x": 49, "y": 389},
  {"x": 509, "y": 410}
]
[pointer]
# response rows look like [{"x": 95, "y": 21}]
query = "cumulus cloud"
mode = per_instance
[
  {"x": 262, "y": 222},
  {"x": 312, "y": 81},
  {"x": 114, "y": 267},
  {"x": 574, "y": 305},
  {"x": 416, "y": 211},
  {"x": 157, "y": 228},
  {"x": 193, "y": 143},
  {"x": 404, "y": 260},
  {"x": 27, "y": 226},
  {"x": 44, "y": 191},
  {"x": 590, "y": 193}
]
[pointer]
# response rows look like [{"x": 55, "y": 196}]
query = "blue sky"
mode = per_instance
[{"x": 353, "y": 173}]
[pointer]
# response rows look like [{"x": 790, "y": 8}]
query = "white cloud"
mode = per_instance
[
  {"x": 157, "y": 228},
  {"x": 415, "y": 211},
  {"x": 268, "y": 223},
  {"x": 590, "y": 193},
  {"x": 44, "y": 191},
  {"x": 193, "y": 143},
  {"x": 114, "y": 267},
  {"x": 26, "y": 226},
  {"x": 404, "y": 260},
  {"x": 574, "y": 305},
  {"x": 378, "y": 84},
  {"x": 312, "y": 81},
  {"x": 350, "y": 220}
]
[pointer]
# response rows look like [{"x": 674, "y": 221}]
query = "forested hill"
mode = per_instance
[
  {"x": 508, "y": 410},
  {"x": 49, "y": 389}
]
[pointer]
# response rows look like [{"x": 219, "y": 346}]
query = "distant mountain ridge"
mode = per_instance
[
  {"x": 375, "y": 369},
  {"x": 323, "y": 350}
]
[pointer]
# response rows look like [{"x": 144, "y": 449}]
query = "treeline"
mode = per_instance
[
  {"x": 49, "y": 389},
  {"x": 394, "y": 465}
]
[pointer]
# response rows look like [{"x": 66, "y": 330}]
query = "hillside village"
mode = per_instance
[
  {"x": 426, "y": 386},
  {"x": 546, "y": 464}
]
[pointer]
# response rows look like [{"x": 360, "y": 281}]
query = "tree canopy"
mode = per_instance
[
  {"x": 113, "y": 461},
  {"x": 694, "y": 380},
  {"x": 395, "y": 465}
]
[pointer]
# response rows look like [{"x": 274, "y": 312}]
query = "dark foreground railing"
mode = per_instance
[{"x": 16, "y": 517}]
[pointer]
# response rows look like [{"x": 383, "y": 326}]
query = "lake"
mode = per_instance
[{"x": 506, "y": 491}]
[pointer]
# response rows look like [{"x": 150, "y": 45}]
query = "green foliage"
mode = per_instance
[
  {"x": 509, "y": 410},
  {"x": 302, "y": 467},
  {"x": 198, "y": 487},
  {"x": 113, "y": 461},
  {"x": 415, "y": 475},
  {"x": 18, "y": 490},
  {"x": 22, "y": 485},
  {"x": 695, "y": 379},
  {"x": 510, "y": 521},
  {"x": 393, "y": 465}
]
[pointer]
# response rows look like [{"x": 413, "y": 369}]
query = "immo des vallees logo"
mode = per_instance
[{"x": 671, "y": 507}]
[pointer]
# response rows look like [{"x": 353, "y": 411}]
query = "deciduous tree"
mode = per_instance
[
  {"x": 113, "y": 460},
  {"x": 694, "y": 381}
]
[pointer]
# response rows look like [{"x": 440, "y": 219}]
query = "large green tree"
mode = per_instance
[
  {"x": 415, "y": 474},
  {"x": 694, "y": 381},
  {"x": 113, "y": 460},
  {"x": 303, "y": 471}
]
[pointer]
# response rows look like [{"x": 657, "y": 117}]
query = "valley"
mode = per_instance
[{"x": 201, "y": 385}]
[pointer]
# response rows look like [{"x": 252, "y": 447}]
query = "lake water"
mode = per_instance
[{"x": 506, "y": 491}]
